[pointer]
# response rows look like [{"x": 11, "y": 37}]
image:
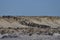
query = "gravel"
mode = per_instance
[{"x": 33, "y": 37}]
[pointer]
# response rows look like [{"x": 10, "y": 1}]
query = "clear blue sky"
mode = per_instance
[{"x": 30, "y": 7}]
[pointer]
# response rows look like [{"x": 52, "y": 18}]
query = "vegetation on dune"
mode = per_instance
[{"x": 30, "y": 25}]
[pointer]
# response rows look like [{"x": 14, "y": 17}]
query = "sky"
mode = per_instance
[{"x": 30, "y": 7}]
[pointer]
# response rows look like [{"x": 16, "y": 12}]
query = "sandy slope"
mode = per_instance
[{"x": 12, "y": 22}]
